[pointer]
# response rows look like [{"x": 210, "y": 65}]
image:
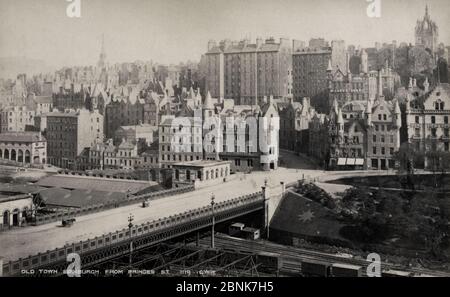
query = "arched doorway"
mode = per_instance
[
  {"x": 36, "y": 160},
  {"x": 24, "y": 213},
  {"x": 6, "y": 218},
  {"x": 6, "y": 154},
  {"x": 27, "y": 156},
  {"x": 13, "y": 155},
  {"x": 20, "y": 158},
  {"x": 15, "y": 218}
]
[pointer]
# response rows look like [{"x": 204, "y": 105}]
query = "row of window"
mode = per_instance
[{"x": 433, "y": 119}]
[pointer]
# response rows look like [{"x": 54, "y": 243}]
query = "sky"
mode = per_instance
[{"x": 173, "y": 31}]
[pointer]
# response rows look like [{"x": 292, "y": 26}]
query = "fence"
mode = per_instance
[
  {"x": 105, "y": 206},
  {"x": 60, "y": 254}
]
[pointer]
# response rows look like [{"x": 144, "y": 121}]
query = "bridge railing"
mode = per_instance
[
  {"x": 81, "y": 247},
  {"x": 105, "y": 206}
]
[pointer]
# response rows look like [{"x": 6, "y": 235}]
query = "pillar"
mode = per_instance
[
  {"x": 11, "y": 217},
  {"x": 265, "y": 193},
  {"x": 19, "y": 218}
]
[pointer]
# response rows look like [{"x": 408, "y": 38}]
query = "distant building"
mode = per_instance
[
  {"x": 69, "y": 133},
  {"x": 310, "y": 68},
  {"x": 427, "y": 33},
  {"x": 135, "y": 133},
  {"x": 339, "y": 56},
  {"x": 16, "y": 118},
  {"x": 247, "y": 71}
]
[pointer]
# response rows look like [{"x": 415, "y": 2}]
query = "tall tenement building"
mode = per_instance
[
  {"x": 310, "y": 68},
  {"x": 427, "y": 32},
  {"x": 69, "y": 133},
  {"x": 247, "y": 71}
]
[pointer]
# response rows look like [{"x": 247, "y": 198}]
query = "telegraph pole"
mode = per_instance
[
  {"x": 213, "y": 220},
  {"x": 130, "y": 225}
]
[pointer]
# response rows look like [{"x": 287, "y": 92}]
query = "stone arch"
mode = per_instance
[
  {"x": 20, "y": 156},
  {"x": 27, "y": 156},
  {"x": 6, "y": 154},
  {"x": 13, "y": 155},
  {"x": 16, "y": 217},
  {"x": 6, "y": 218}
]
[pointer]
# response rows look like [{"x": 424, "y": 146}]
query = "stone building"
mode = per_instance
[
  {"x": 294, "y": 125},
  {"x": 188, "y": 134},
  {"x": 427, "y": 33},
  {"x": 427, "y": 120},
  {"x": 310, "y": 72},
  {"x": 16, "y": 118},
  {"x": 364, "y": 134},
  {"x": 69, "y": 133},
  {"x": 14, "y": 209},
  {"x": 247, "y": 71},
  {"x": 200, "y": 173},
  {"x": 23, "y": 147}
]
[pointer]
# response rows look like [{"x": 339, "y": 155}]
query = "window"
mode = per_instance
[
  {"x": 382, "y": 138},
  {"x": 374, "y": 150},
  {"x": 374, "y": 138},
  {"x": 446, "y": 120},
  {"x": 417, "y": 132},
  {"x": 384, "y": 117},
  {"x": 433, "y": 119},
  {"x": 383, "y": 151},
  {"x": 391, "y": 151},
  {"x": 391, "y": 138},
  {"x": 433, "y": 132},
  {"x": 417, "y": 119}
]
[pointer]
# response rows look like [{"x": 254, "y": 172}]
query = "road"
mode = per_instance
[{"x": 22, "y": 242}]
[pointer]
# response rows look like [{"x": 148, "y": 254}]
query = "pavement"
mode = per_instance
[{"x": 22, "y": 242}]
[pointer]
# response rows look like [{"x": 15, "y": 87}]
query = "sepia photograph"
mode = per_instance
[{"x": 228, "y": 147}]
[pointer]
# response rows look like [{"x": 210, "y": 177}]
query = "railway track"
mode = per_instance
[{"x": 293, "y": 256}]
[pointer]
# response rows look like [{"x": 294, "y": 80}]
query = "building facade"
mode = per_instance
[
  {"x": 23, "y": 147},
  {"x": 427, "y": 33},
  {"x": 247, "y": 71},
  {"x": 427, "y": 121},
  {"x": 69, "y": 133},
  {"x": 310, "y": 73}
]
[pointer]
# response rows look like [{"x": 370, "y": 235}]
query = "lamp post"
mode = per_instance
[
  {"x": 213, "y": 220},
  {"x": 130, "y": 225}
]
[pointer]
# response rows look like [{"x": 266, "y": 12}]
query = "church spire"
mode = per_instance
[{"x": 102, "y": 59}]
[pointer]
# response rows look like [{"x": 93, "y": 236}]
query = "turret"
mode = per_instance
[
  {"x": 408, "y": 103},
  {"x": 426, "y": 85}
]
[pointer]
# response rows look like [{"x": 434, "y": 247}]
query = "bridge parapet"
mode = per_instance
[{"x": 112, "y": 238}]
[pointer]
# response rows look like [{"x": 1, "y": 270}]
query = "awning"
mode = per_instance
[
  {"x": 359, "y": 162},
  {"x": 341, "y": 161},
  {"x": 350, "y": 161}
]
